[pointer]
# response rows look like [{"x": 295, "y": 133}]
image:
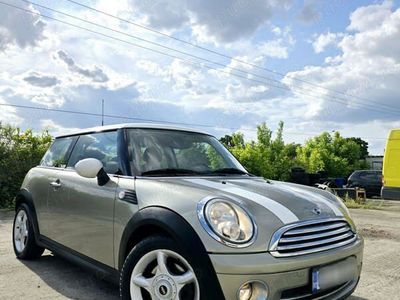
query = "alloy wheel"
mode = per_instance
[
  {"x": 163, "y": 275},
  {"x": 21, "y": 231}
]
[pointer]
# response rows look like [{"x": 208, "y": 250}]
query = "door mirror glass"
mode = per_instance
[{"x": 89, "y": 167}]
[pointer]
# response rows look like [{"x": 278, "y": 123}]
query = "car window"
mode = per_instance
[
  {"x": 154, "y": 149},
  {"x": 57, "y": 155},
  {"x": 201, "y": 154},
  {"x": 102, "y": 146},
  {"x": 369, "y": 175}
]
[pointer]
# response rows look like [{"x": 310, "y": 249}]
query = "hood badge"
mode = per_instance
[{"x": 317, "y": 211}]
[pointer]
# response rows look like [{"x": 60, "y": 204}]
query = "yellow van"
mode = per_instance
[{"x": 391, "y": 167}]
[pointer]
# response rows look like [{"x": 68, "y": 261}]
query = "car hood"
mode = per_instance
[
  {"x": 272, "y": 204},
  {"x": 286, "y": 201}
]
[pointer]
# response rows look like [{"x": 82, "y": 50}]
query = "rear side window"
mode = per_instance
[
  {"x": 370, "y": 175},
  {"x": 58, "y": 153},
  {"x": 102, "y": 146}
]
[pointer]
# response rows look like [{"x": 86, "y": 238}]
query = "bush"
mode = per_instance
[
  {"x": 19, "y": 152},
  {"x": 273, "y": 158}
]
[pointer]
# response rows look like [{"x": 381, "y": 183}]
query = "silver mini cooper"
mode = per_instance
[{"x": 169, "y": 213}]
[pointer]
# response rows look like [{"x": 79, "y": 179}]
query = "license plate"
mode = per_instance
[{"x": 326, "y": 277}]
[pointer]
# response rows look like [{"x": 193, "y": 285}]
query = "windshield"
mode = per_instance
[{"x": 170, "y": 152}]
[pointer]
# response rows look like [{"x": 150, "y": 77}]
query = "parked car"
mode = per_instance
[
  {"x": 169, "y": 213},
  {"x": 370, "y": 180},
  {"x": 391, "y": 167}
]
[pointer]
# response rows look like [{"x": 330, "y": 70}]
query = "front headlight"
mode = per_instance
[{"x": 227, "y": 222}]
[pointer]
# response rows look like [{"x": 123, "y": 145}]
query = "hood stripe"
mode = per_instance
[
  {"x": 279, "y": 210},
  {"x": 317, "y": 198}
]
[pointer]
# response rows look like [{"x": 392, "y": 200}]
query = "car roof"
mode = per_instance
[
  {"x": 394, "y": 134},
  {"x": 132, "y": 125},
  {"x": 371, "y": 171}
]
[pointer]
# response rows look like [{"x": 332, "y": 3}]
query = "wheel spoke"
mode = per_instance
[
  {"x": 142, "y": 281},
  {"x": 21, "y": 244},
  {"x": 17, "y": 234},
  {"x": 185, "y": 278},
  {"x": 162, "y": 263}
]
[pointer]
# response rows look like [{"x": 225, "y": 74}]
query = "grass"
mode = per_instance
[{"x": 351, "y": 203}]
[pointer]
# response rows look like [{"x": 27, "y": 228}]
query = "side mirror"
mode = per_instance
[{"x": 91, "y": 168}]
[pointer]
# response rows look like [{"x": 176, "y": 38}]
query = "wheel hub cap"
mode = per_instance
[{"x": 164, "y": 287}]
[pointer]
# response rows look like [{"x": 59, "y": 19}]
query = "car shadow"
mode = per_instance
[
  {"x": 74, "y": 282},
  {"x": 70, "y": 280}
]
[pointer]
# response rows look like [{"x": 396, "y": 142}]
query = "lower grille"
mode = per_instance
[
  {"x": 311, "y": 237},
  {"x": 303, "y": 293}
]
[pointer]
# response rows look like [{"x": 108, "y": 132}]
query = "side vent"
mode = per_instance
[{"x": 128, "y": 196}]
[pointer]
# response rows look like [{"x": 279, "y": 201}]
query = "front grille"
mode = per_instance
[{"x": 311, "y": 237}]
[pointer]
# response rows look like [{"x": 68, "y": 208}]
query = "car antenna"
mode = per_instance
[{"x": 102, "y": 112}]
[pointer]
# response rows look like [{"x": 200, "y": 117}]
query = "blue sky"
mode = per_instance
[{"x": 316, "y": 65}]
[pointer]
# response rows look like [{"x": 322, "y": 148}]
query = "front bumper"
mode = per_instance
[
  {"x": 287, "y": 278},
  {"x": 390, "y": 193}
]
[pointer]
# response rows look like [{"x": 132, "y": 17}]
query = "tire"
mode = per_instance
[
  {"x": 23, "y": 235},
  {"x": 141, "y": 282}
]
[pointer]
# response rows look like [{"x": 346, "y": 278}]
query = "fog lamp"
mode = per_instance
[
  {"x": 245, "y": 292},
  {"x": 253, "y": 290}
]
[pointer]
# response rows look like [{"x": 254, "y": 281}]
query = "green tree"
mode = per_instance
[
  {"x": 363, "y": 146},
  {"x": 267, "y": 157},
  {"x": 234, "y": 140},
  {"x": 19, "y": 151},
  {"x": 332, "y": 153}
]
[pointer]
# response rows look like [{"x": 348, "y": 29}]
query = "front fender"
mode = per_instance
[
  {"x": 24, "y": 196},
  {"x": 175, "y": 226}
]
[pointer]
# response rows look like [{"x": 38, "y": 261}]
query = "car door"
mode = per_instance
[
  {"x": 85, "y": 210},
  {"x": 376, "y": 182},
  {"x": 45, "y": 185}
]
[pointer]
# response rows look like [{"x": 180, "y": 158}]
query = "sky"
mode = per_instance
[{"x": 222, "y": 66}]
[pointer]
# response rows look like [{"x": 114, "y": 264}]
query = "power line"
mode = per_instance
[
  {"x": 336, "y": 99},
  {"x": 331, "y": 98},
  {"x": 154, "y": 120},
  {"x": 222, "y": 54},
  {"x": 178, "y": 51}
]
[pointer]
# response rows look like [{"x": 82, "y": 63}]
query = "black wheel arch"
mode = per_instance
[
  {"x": 160, "y": 220},
  {"x": 24, "y": 196}
]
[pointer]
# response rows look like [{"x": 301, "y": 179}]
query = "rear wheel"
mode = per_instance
[
  {"x": 156, "y": 269},
  {"x": 24, "y": 243}
]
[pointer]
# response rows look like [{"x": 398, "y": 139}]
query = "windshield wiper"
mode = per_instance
[
  {"x": 230, "y": 171},
  {"x": 170, "y": 171}
]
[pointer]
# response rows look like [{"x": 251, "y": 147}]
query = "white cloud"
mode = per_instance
[
  {"x": 95, "y": 74},
  {"x": 368, "y": 67},
  {"x": 40, "y": 79},
  {"x": 49, "y": 99},
  {"x": 274, "y": 48},
  {"x": 309, "y": 13},
  {"x": 150, "y": 67},
  {"x": 162, "y": 14},
  {"x": 18, "y": 27},
  {"x": 213, "y": 21},
  {"x": 366, "y": 17},
  {"x": 324, "y": 40},
  {"x": 279, "y": 47},
  {"x": 139, "y": 83},
  {"x": 8, "y": 114},
  {"x": 56, "y": 129}
]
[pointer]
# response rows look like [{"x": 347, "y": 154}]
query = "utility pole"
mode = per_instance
[{"x": 102, "y": 112}]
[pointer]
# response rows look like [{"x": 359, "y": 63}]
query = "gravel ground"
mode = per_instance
[{"x": 53, "y": 278}]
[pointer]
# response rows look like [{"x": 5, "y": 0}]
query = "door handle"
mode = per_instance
[{"x": 56, "y": 183}]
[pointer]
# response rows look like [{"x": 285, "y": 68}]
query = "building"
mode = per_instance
[{"x": 374, "y": 162}]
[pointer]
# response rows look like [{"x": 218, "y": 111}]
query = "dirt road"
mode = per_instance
[{"x": 53, "y": 278}]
